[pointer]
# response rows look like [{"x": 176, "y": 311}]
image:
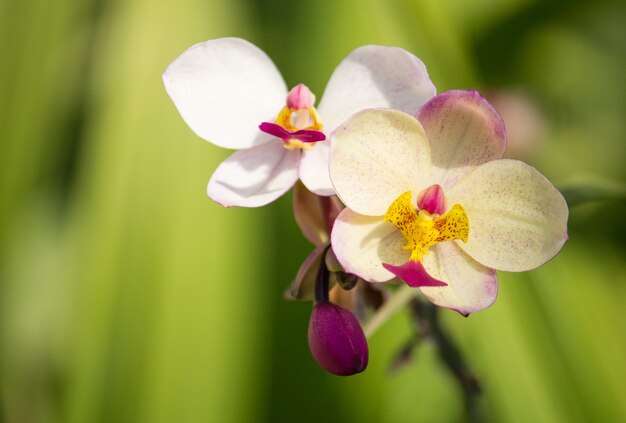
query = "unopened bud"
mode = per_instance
[{"x": 336, "y": 340}]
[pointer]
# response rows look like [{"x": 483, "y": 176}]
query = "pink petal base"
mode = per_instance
[
  {"x": 413, "y": 273},
  {"x": 304, "y": 135}
]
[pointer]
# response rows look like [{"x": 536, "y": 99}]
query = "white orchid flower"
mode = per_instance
[
  {"x": 230, "y": 93},
  {"x": 431, "y": 201}
]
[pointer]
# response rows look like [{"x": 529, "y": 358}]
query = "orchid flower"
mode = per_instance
[
  {"x": 230, "y": 93},
  {"x": 431, "y": 201}
]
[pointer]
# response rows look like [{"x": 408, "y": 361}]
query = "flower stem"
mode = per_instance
[
  {"x": 400, "y": 298},
  {"x": 428, "y": 327},
  {"x": 322, "y": 280}
]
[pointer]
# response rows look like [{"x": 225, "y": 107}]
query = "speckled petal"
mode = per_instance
[
  {"x": 464, "y": 131},
  {"x": 517, "y": 218},
  {"x": 375, "y": 76},
  {"x": 363, "y": 243},
  {"x": 375, "y": 156},
  {"x": 471, "y": 286},
  {"x": 255, "y": 176},
  {"x": 223, "y": 89}
]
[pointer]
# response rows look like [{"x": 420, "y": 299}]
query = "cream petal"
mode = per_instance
[
  {"x": 376, "y": 155},
  {"x": 471, "y": 286},
  {"x": 517, "y": 218},
  {"x": 224, "y": 89},
  {"x": 464, "y": 131},
  {"x": 255, "y": 176},
  {"x": 314, "y": 169},
  {"x": 362, "y": 243},
  {"x": 371, "y": 77}
]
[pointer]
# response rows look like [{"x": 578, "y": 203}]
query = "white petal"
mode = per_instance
[
  {"x": 363, "y": 243},
  {"x": 224, "y": 89},
  {"x": 314, "y": 169},
  {"x": 471, "y": 286},
  {"x": 517, "y": 218},
  {"x": 375, "y": 77},
  {"x": 255, "y": 176},
  {"x": 376, "y": 155},
  {"x": 464, "y": 131}
]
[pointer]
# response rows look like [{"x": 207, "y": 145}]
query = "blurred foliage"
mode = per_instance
[{"x": 127, "y": 296}]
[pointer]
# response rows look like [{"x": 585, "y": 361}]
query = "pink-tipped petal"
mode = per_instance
[
  {"x": 255, "y": 176},
  {"x": 363, "y": 243},
  {"x": 432, "y": 200},
  {"x": 375, "y": 76},
  {"x": 471, "y": 286},
  {"x": 464, "y": 132},
  {"x": 517, "y": 218},
  {"x": 314, "y": 169},
  {"x": 300, "y": 97},
  {"x": 223, "y": 88},
  {"x": 376, "y": 155},
  {"x": 413, "y": 273}
]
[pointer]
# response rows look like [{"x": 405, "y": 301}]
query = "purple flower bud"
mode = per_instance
[{"x": 336, "y": 340}]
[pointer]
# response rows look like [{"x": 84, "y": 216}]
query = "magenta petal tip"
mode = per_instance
[
  {"x": 275, "y": 130},
  {"x": 413, "y": 273},
  {"x": 308, "y": 135},
  {"x": 304, "y": 135},
  {"x": 337, "y": 341}
]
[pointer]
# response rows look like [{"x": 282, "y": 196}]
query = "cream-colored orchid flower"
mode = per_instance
[
  {"x": 231, "y": 94},
  {"x": 431, "y": 201}
]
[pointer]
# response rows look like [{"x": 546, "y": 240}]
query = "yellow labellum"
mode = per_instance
[
  {"x": 294, "y": 120},
  {"x": 421, "y": 230}
]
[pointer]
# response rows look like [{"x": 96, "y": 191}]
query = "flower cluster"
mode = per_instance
[{"x": 425, "y": 196}]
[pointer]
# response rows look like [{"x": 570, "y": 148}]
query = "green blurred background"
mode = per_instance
[{"x": 126, "y": 295}]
